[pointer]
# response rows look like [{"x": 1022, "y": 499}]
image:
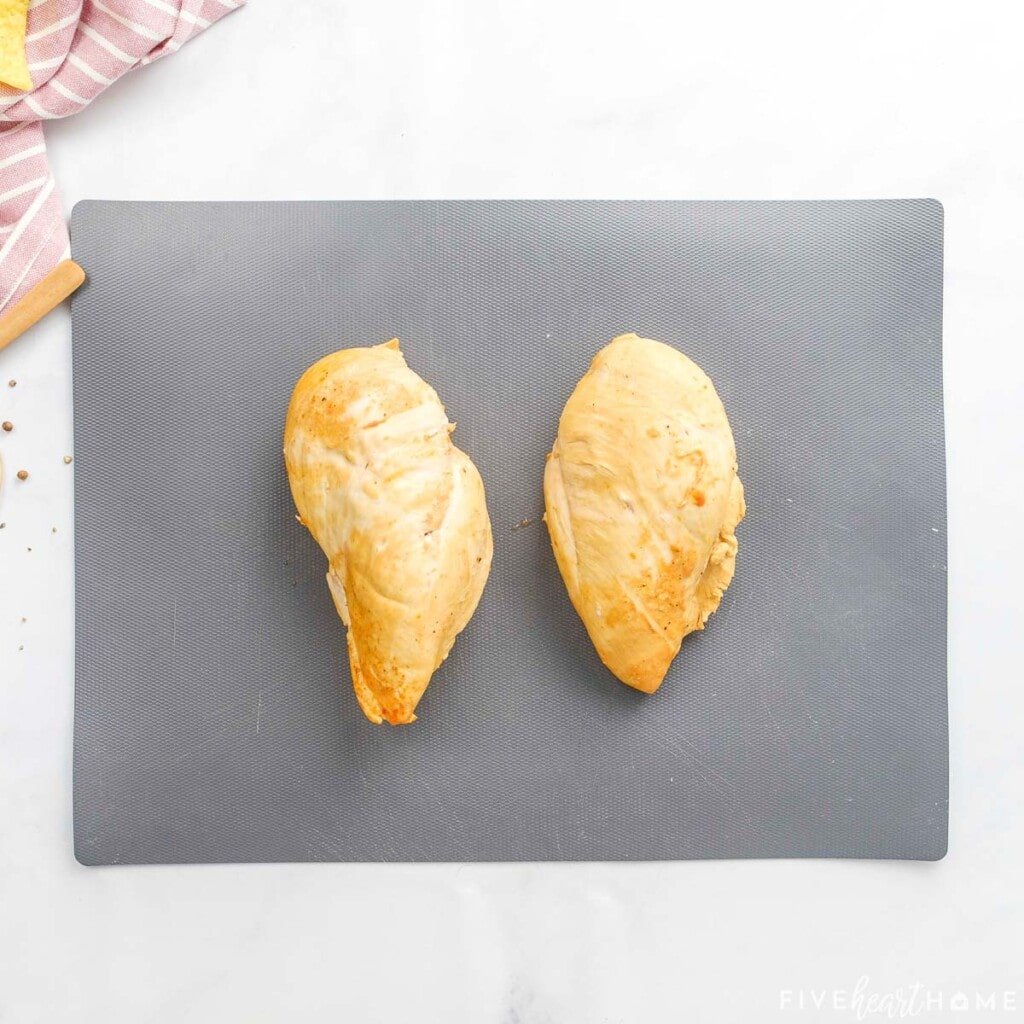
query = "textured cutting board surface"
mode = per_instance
[{"x": 214, "y": 717}]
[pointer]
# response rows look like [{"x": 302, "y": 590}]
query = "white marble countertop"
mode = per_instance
[{"x": 329, "y": 99}]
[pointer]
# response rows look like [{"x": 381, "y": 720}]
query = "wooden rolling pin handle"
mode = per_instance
[{"x": 58, "y": 284}]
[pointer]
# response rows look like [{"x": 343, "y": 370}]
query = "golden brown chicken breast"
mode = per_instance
[
  {"x": 398, "y": 510},
  {"x": 642, "y": 501}
]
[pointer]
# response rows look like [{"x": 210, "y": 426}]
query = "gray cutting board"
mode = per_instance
[{"x": 214, "y": 718}]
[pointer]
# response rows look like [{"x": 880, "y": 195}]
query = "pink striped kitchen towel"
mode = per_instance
[{"x": 75, "y": 49}]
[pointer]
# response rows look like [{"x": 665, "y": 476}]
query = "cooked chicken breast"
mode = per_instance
[
  {"x": 398, "y": 510},
  {"x": 642, "y": 501}
]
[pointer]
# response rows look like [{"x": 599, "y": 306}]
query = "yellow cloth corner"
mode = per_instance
[{"x": 13, "y": 65}]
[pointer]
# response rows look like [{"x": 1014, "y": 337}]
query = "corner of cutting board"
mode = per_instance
[{"x": 80, "y": 210}]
